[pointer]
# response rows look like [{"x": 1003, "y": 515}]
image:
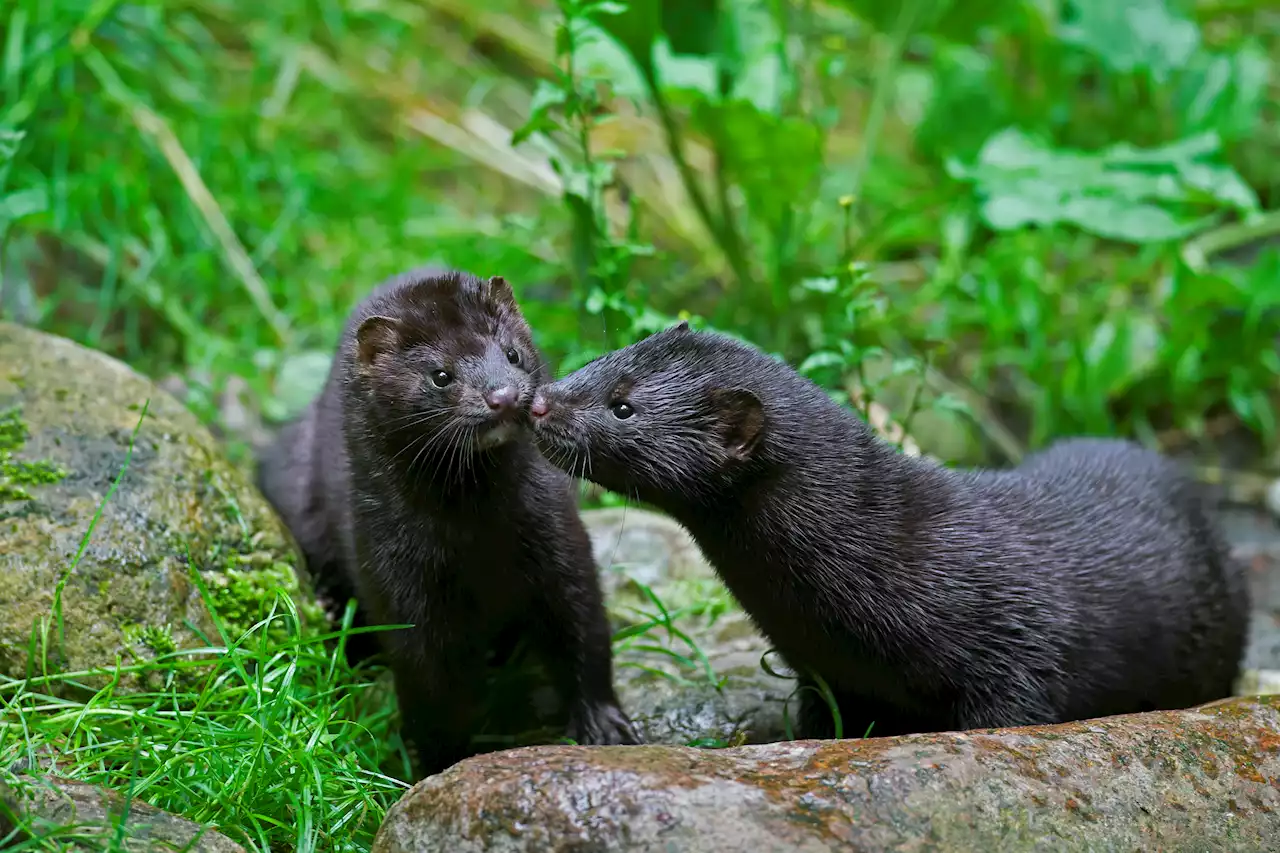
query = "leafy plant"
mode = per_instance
[{"x": 1122, "y": 193}]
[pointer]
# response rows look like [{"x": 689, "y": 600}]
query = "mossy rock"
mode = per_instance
[
  {"x": 102, "y": 820},
  {"x": 67, "y": 415}
]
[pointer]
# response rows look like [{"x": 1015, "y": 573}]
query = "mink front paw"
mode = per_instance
[{"x": 602, "y": 725}]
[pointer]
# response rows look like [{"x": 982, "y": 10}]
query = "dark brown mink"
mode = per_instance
[
  {"x": 1088, "y": 581},
  {"x": 412, "y": 483}
]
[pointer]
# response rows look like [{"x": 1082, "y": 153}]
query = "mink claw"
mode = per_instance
[{"x": 603, "y": 725}]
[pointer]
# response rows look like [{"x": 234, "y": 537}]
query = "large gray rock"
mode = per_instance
[
  {"x": 66, "y": 416},
  {"x": 1205, "y": 779},
  {"x": 694, "y": 676},
  {"x": 62, "y": 809}
]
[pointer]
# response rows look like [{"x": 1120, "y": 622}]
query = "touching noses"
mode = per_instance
[
  {"x": 539, "y": 407},
  {"x": 502, "y": 399}
]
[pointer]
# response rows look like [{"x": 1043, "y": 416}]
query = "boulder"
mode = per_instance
[
  {"x": 58, "y": 808},
  {"x": 694, "y": 675},
  {"x": 67, "y": 418},
  {"x": 1202, "y": 779}
]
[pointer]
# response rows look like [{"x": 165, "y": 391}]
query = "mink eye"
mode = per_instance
[
  {"x": 441, "y": 378},
  {"x": 513, "y": 355},
  {"x": 621, "y": 410}
]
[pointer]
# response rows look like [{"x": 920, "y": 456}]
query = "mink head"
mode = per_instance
[
  {"x": 665, "y": 418},
  {"x": 448, "y": 362}
]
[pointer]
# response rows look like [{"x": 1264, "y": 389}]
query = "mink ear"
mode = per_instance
[
  {"x": 682, "y": 326},
  {"x": 500, "y": 291},
  {"x": 740, "y": 416},
  {"x": 376, "y": 336}
]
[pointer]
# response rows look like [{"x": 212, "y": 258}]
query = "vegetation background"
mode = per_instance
[{"x": 1009, "y": 221}]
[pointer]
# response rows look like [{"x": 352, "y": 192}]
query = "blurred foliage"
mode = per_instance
[
  {"x": 1068, "y": 207},
  {"x": 1019, "y": 220}
]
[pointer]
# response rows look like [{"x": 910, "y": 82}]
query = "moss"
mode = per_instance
[
  {"x": 15, "y": 474},
  {"x": 157, "y": 638},
  {"x": 248, "y": 586}
]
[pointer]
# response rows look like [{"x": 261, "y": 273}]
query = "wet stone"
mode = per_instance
[{"x": 1204, "y": 779}]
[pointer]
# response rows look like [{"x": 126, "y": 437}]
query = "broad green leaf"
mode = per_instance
[
  {"x": 634, "y": 25},
  {"x": 1131, "y": 35},
  {"x": 22, "y": 203},
  {"x": 1124, "y": 193},
  {"x": 692, "y": 26},
  {"x": 1225, "y": 93},
  {"x": 600, "y": 56},
  {"x": 749, "y": 53}
]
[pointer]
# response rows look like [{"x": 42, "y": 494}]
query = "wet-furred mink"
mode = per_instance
[
  {"x": 1090, "y": 580},
  {"x": 412, "y": 483}
]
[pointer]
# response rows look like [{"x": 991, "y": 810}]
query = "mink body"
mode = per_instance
[
  {"x": 1088, "y": 581},
  {"x": 412, "y": 484}
]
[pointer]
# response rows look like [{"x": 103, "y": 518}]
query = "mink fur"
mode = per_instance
[
  {"x": 1090, "y": 580},
  {"x": 412, "y": 483}
]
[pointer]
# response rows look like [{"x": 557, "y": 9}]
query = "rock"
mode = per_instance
[
  {"x": 708, "y": 689},
  {"x": 1256, "y": 682},
  {"x": 1272, "y": 498},
  {"x": 67, "y": 417},
  {"x": 1256, "y": 542},
  {"x": 46, "y": 805},
  {"x": 1205, "y": 779}
]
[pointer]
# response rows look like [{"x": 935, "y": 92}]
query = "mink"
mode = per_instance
[
  {"x": 1088, "y": 581},
  {"x": 412, "y": 483}
]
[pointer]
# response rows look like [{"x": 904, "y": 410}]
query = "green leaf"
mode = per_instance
[
  {"x": 820, "y": 360},
  {"x": 1132, "y": 35},
  {"x": 827, "y": 284},
  {"x": 602, "y": 57},
  {"x": 635, "y": 26},
  {"x": 749, "y": 54},
  {"x": 774, "y": 160},
  {"x": 22, "y": 203},
  {"x": 10, "y": 139},
  {"x": 691, "y": 26},
  {"x": 546, "y": 97},
  {"x": 1225, "y": 93},
  {"x": 1123, "y": 193},
  {"x": 1122, "y": 351}
]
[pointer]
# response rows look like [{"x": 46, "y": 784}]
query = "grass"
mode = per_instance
[
  {"x": 264, "y": 736},
  {"x": 1006, "y": 222},
  {"x": 277, "y": 744},
  {"x": 1072, "y": 215},
  {"x": 271, "y": 742},
  {"x": 269, "y": 737}
]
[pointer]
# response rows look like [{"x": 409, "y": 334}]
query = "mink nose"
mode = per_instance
[
  {"x": 539, "y": 407},
  {"x": 501, "y": 399}
]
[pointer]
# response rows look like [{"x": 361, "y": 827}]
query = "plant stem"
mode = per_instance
[
  {"x": 724, "y": 232},
  {"x": 880, "y": 95}
]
